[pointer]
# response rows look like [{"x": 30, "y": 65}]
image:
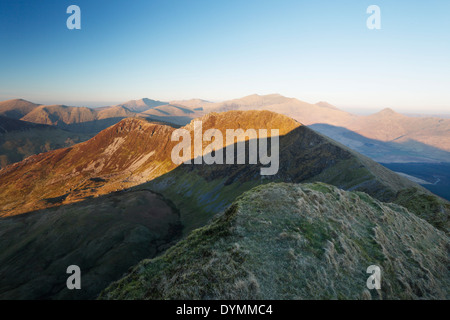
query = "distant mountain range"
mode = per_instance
[
  {"x": 76, "y": 119},
  {"x": 129, "y": 153},
  {"x": 386, "y": 136},
  {"x": 27, "y": 128}
]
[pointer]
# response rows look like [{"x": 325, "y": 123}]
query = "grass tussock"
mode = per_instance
[{"x": 286, "y": 241}]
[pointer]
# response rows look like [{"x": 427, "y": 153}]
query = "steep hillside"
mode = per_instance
[
  {"x": 434, "y": 177},
  {"x": 10, "y": 124},
  {"x": 403, "y": 138},
  {"x": 20, "y": 139},
  {"x": 201, "y": 190},
  {"x": 388, "y": 125},
  {"x": 142, "y": 104},
  {"x": 325, "y": 104},
  {"x": 59, "y": 115},
  {"x": 386, "y": 136},
  {"x": 286, "y": 241},
  {"x": 17, "y": 108},
  {"x": 301, "y": 111},
  {"x": 132, "y": 152},
  {"x": 98, "y": 166},
  {"x": 192, "y": 103},
  {"x": 78, "y": 119},
  {"x": 138, "y": 153},
  {"x": 103, "y": 236},
  {"x": 384, "y": 151},
  {"x": 174, "y": 113}
]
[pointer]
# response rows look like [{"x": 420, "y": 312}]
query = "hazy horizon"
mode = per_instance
[
  {"x": 350, "y": 109},
  {"x": 314, "y": 51}
]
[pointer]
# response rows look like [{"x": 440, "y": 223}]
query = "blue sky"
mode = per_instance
[{"x": 224, "y": 49}]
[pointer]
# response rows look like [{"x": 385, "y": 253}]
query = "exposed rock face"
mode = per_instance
[{"x": 287, "y": 241}]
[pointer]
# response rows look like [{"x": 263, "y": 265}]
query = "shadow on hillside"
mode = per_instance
[
  {"x": 380, "y": 151},
  {"x": 8, "y": 125},
  {"x": 104, "y": 236},
  {"x": 91, "y": 126},
  {"x": 195, "y": 191},
  {"x": 201, "y": 190},
  {"x": 94, "y": 127}
]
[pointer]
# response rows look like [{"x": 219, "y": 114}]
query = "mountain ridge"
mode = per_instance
[
  {"x": 20, "y": 139},
  {"x": 16, "y": 108},
  {"x": 288, "y": 241},
  {"x": 124, "y": 156},
  {"x": 385, "y": 126},
  {"x": 142, "y": 105},
  {"x": 112, "y": 178}
]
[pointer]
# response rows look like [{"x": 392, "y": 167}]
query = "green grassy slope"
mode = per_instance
[
  {"x": 287, "y": 241},
  {"x": 104, "y": 236}
]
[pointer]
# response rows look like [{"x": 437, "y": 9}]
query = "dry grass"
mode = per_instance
[{"x": 285, "y": 241}]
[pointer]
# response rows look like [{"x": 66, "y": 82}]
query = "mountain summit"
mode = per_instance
[
  {"x": 118, "y": 198},
  {"x": 142, "y": 105},
  {"x": 17, "y": 108}
]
